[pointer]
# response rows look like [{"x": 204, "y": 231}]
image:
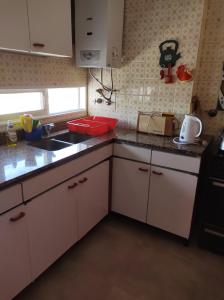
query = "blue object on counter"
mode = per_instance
[{"x": 35, "y": 135}]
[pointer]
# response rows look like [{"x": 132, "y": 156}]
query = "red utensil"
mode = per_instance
[{"x": 169, "y": 76}]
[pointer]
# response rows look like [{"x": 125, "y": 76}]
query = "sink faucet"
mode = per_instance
[{"x": 47, "y": 129}]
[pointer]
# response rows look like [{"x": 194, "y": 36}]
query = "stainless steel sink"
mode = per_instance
[
  {"x": 60, "y": 141},
  {"x": 72, "y": 137},
  {"x": 50, "y": 144}
]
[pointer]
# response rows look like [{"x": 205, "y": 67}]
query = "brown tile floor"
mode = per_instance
[{"x": 124, "y": 260}]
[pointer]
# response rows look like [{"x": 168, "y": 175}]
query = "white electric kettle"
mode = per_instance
[{"x": 190, "y": 130}]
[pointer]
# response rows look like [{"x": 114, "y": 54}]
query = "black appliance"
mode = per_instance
[{"x": 211, "y": 233}]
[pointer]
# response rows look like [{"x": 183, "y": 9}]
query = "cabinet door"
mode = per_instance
[
  {"x": 171, "y": 200},
  {"x": 14, "y": 253},
  {"x": 130, "y": 188},
  {"x": 92, "y": 197},
  {"x": 50, "y": 26},
  {"x": 10, "y": 197},
  {"x": 14, "y": 32},
  {"x": 52, "y": 224}
]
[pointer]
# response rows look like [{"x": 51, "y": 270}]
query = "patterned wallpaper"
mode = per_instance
[
  {"x": 211, "y": 61},
  {"x": 32, "y": 71},
  {"x": 147, "y": 24}
]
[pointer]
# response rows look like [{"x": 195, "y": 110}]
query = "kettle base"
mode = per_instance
[{"x": 177, "y": 141}]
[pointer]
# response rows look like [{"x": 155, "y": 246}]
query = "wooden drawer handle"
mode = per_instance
[
  {"x": 219, "y": 184},
  {"x": 83, "y": 180},
  {"x": 38, "y": 45},
  {"x": 72, "y": 186},
  {"x": 143, "y": 170},
  {"x": 17, "y": 218},
  {"x": 157, "y": 173}
]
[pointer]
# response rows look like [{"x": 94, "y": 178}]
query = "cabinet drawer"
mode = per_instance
[
  {"x": 48, "y": 179},
  {"x": 10, "y": 198},
  {"x": 175, "y": 161},
  {"x": 132, "y": 152}
]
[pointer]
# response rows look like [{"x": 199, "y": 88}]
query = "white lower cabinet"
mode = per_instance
[
  {"x": 171, "y": 200},
  {"x": 52, "y": 225},
  {"x": 10, "y": 197},
  {"x": 130, "y": 187},
  {"x": 159, "y": 196},
  {"x": 15, "y": 273},
  {"x": 35, "y": 235},
  {"x": 92, "y": 197},
  {"x": 64, "y": 214}
]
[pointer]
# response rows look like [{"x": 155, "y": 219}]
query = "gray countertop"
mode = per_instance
[{"x": 24, "y": 160}]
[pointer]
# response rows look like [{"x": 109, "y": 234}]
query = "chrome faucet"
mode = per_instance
[{"x": 46, "y": 129}]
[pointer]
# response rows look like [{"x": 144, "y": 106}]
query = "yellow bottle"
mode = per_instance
[{"x": 26, "y": 122}]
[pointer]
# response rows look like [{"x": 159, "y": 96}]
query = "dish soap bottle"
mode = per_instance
[{"x": 11, "y": 134}]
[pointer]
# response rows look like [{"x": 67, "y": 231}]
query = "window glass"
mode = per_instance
[
  {"x": 11, "y": 103},
  {"x": 63, "y": 100},
  {"x": 44, "y": 102}
]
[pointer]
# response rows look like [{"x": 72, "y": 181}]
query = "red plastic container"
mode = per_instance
[
  {"x": 109, "y": 121},
  {"x": 92, "y": 125}
]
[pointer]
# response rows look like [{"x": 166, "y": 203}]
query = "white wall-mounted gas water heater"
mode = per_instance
[{"x": 98, "y": 33}]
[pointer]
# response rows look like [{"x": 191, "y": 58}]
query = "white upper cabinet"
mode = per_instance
[
  {"x": 14, "y": 29},
  {"x": 50, "y": 26},
  {"x": 36, "y": 26}
]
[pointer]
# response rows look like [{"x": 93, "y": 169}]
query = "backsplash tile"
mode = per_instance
[
  {"x": 147, "y": 24},
  {"x": 210, "y": 69}
]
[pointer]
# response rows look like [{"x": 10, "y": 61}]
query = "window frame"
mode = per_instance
[{"x": 44, "y": 113}]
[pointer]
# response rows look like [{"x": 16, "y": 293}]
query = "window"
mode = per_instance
[
  {"x": 65, "y": 100},
  {"x": 19, "y": 102},
  {"x": 44, "y": 102}
]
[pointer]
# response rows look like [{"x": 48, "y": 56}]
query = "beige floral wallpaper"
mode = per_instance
[
  {"x": 211, "y": 61},
  {"x": 198, "y": 26},
  {"x": 31, "y": 71},
  {"x": 147, "y": 24}
]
